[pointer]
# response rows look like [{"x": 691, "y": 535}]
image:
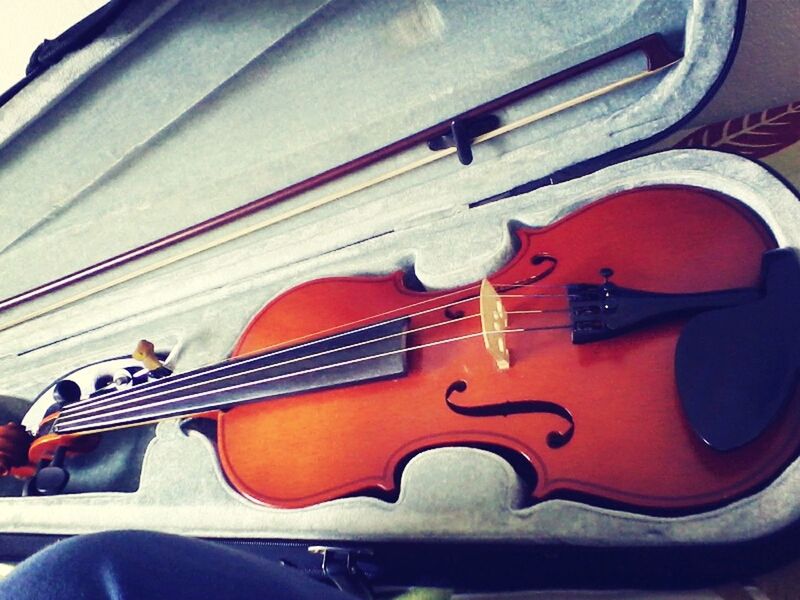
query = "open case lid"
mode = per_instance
[
  {"x": 207, "y": 105},
  {"x": 164, "y": 122}
]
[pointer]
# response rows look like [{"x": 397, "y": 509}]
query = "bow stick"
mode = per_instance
[{"x": 653, "y": 46}]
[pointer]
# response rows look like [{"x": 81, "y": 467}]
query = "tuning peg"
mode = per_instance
[
  {"x": 121, "y": 378},
  {"x": 66, "y": 391},
  {"x": 53, "y": 478},
  {"x": 146, "y": 354}
]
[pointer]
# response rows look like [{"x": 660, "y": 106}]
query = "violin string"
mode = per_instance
[
  {"x": 68, "y": 412},
  {"x": 70, "y": 426},
  {"x": 291, "y": 344},
  {"x": 73, "y": 411},
  {"x": 262, "y": 353},
  {"x": 517, "y": 284}
]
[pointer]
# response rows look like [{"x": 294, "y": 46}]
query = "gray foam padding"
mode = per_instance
[
  {"x": 454, "y": 493},
  {"x": 187, "y": 119}
]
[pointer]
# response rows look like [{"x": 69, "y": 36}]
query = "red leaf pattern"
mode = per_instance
[{"x": 755, "y": 135}]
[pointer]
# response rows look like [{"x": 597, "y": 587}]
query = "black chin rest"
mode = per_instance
[{"x": 737, "y": 367}]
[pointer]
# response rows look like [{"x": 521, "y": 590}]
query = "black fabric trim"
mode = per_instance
[{"x": 49, "y": 52}]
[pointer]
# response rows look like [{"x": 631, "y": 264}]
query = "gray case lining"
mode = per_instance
[{"x": 158, "y": 136}]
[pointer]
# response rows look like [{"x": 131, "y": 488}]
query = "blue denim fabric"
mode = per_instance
[{"x": 133, "y": 565}]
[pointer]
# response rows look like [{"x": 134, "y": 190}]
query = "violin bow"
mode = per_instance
[{"x": 445, "y": 138}]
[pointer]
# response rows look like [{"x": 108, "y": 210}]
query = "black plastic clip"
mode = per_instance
[
  {"x": 340, "y": 565},
  {"x": 462, "y": 133}
]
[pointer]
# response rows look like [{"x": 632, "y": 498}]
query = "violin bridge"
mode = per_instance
[{"x": 494, "y": 322}]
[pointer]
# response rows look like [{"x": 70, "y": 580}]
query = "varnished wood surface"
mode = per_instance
[{"x": 631, "y": 443}]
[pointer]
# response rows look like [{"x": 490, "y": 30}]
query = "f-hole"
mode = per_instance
[
  {"x": 537, "y": 260},
  {"x": 459, "y": 386},
  {"x": 554, "y": 439}
]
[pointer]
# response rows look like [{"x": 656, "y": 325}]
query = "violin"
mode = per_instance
[{"x": 641, "y": 351}]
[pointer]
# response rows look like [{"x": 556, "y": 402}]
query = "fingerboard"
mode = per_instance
[{"x": 367, "y": 354}]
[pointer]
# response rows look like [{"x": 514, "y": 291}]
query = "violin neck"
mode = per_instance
[{"x": 366, "y": 354}]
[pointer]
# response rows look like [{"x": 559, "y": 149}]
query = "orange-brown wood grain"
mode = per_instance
[
  {"x": 631, "y": 443},
  {"x": 44, "y": 446}
]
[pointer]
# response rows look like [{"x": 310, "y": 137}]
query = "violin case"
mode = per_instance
[{"x": 184, "y": 109}]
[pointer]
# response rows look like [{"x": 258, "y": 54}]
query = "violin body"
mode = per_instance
[
  {"x": 599, "y": 421},
  {"x": 631, "y": 443}
]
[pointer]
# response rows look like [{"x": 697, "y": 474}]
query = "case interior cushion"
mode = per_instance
[
  {"x": 217, "y": 103},
  {"x": 453, "y": 493}
]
